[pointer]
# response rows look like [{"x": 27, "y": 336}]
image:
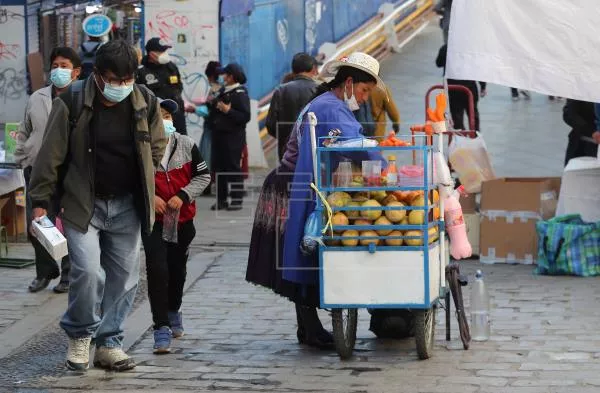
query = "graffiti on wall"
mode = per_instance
[
  {"x": 192, "y": 49},
  {"x": 13, "y": 81},
  {"x": 314, "y": 10}
]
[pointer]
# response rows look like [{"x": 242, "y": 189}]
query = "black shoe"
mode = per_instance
[
  {"x": 38, "y": 284},
  {"x": 322, "y": 340},
  {"x": 219, "y": 206},
  {"x": 62, "y": 287}
]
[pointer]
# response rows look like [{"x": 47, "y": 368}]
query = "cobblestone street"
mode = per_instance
[{"x": 241, "y": 337}]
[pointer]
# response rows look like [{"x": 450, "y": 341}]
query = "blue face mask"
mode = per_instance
[
  {"x": 169, "y": 127},
  {"x": 60, "y": 77},
  {"x": 220, "y": 79},
  {"x": 116, "y": 93}
]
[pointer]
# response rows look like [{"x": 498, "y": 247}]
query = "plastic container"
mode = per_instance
[
  {"x": 371, "y": 171},
  {"x": 344, "y": 174},
  {"x": 411, "y": 176},
  {"x": 480, "y": 309}
]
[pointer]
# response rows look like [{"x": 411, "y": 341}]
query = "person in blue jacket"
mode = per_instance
[{"x": 286, "y": 200}]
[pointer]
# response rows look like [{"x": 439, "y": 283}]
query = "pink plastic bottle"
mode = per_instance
[{"x": 460, "y": 247}]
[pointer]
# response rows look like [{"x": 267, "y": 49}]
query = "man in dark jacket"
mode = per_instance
[
  {"x": 101, "y": 163},
  {"x": 459, "y": 101},
  {"x": 580, "y": 116},
  {"x": 289, "y": 99},
  {"x": 161, "y": 75}
]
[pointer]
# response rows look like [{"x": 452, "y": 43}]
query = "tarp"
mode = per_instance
[{"x": 548, "y": 46}]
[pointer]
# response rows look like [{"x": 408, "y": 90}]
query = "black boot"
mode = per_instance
[{"x": 310, "y": 330}]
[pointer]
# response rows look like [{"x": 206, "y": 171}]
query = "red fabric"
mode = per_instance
[
  {"x": 168, "y": 184},
  {"x": 245, "y": 168}
]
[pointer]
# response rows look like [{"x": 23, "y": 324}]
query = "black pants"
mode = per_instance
[
  {"x": 45, "y": 265},
  {"x": 166, "y": 270},
  {"x": 226, "y": 157},
  {"x": 459, "y": 107},
  {"x": 179, "y": 121},
  {"x": 578, "y": 148}
]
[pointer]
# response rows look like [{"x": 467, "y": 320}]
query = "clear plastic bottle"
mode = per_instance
[{"x": 480, "y": 309}]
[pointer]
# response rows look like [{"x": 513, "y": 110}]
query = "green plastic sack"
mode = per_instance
[{"x": 567, "y": 245}]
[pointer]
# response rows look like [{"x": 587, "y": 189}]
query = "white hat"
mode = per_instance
[{"x": 358, "y": 60}]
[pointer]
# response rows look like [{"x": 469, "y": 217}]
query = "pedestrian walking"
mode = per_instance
[
  {"x": 180, "y": 178},
  {"x": 161, "y": 75},
  {"x": 289, "y": 99},
  {"x": 65, "y": 67},
  {"x": 459, "y": 101},
  {"x": 285, "y": 200},
  {"x": 230, "y": 112},
  {"x": 584, "y": 136},
  {"x": 514, "y": 93},
  {"x": 214, "y": 74},
  {"x": 87, "y": 54},
  {"x": 382, "y": 104},
  {"x": 103, "y": 141}
]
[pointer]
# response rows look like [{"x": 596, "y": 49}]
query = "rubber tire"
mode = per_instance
[
  {"x": 344, "y": 336},
  {"x": 425, "y": 332}
]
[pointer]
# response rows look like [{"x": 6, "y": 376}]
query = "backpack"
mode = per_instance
[{"x": 88, "y": 59}]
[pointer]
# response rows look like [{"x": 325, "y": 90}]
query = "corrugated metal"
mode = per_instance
[
  {"x": 349, "y": 14},
  {"x": 33, "y": 25}
]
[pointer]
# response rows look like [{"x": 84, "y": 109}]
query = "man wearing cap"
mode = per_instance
[
  {"x": 162, "y": 76},
  {"x": 289, "y": 99}
]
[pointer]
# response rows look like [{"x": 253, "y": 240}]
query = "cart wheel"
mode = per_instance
[
  {"x": 344, "y": 322},
  {"x": 424, "y": 332}
]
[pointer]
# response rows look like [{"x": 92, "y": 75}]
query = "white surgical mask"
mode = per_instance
[
  {"x": 164, "y": 58},
  {"x": 169, "y": 127},
  {"x": 351, "y": 102},
  {"x": 60, "y": 77}
]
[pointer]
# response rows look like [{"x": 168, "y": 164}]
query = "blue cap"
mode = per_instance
[{"x": 168, "y": 105}]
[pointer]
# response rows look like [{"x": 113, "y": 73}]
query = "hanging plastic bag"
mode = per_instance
[
  {"x": 442, "y": 176},
  {"x": 312, "y": 236},
  {"x": 170, "y": 221},
  {"x": 469, "y": 158}
]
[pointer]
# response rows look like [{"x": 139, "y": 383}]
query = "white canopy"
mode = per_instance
[{"x": 548, "y": 46}]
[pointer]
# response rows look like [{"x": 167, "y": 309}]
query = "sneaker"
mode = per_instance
[
  {"x": 114, "y": 359},
  {"x": 526, "y": 94},
  {"x": 176, "y": 320},
  {"x": 78, "y": 354},
  {"x": 162, "y": 340}
]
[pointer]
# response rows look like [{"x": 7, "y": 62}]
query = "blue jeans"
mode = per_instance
[{"x": 105, "y": 266}]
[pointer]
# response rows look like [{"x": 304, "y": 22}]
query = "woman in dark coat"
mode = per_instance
[
  {"x": 230, "y": 112},
  {"x": 580, "y": 116},
  {"x": 285, "y": 201}
]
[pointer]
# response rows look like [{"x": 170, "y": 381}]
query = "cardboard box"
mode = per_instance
[
  {"x": 468, "y": 203},
  {"x": 510, "y": 208},
  {"x": 472, "y": 222},
  {"x": 50, "y": 237}
]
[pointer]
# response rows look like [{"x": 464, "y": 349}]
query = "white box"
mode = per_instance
[
  {"x": 50, "y": 237},
  {"x": 384, "y": 278}
]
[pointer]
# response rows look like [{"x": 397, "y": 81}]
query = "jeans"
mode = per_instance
[
  {"x": 45, "y": 265},
  {"x": 166, "y": 270},
  {"x": 105, "y": 265}
]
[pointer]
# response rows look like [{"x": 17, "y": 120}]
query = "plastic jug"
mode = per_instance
[{"x": 480, "y": 309}]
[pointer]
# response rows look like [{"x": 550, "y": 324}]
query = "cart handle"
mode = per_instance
[{"x": 461, "y": 88}]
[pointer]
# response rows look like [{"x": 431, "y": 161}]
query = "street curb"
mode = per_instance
[{"x": 138, "y": 322}]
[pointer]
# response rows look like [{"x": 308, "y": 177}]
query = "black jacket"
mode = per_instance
[
  {"x": 287, "y": 102},
  {"x": 163, "y": 79},
  {"x": 235, "y": 120},
  {"x": 580, "y": 116}
]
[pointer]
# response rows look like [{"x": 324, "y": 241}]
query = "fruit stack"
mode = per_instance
[{"x": 384, "y": 217}]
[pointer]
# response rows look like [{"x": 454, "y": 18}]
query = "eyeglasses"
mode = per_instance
[{"x": 116, "y": 82}]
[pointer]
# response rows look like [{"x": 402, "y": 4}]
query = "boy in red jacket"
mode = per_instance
[{"x": 180, "y": 178}]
